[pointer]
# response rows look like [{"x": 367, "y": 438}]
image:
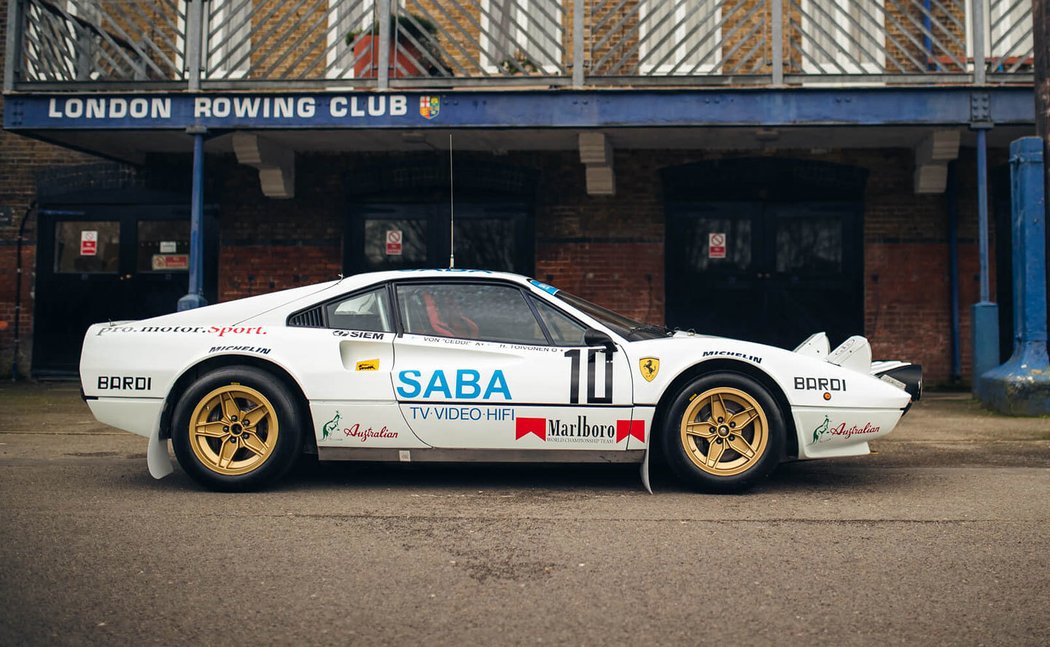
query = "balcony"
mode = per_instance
[{"x": 86, "y": 45}]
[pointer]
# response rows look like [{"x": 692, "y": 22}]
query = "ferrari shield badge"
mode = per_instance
[
  {"x": 429, "y": 106},
  {"x": 649, "y": 366}
]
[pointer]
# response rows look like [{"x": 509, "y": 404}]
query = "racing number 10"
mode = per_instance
[{"x": 574, "y": 388}]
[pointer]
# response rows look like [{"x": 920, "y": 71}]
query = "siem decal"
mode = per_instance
[
  {"x": 555, "y": 430},
  {"x": 649, "y": 366},
  {"x": 121, "y": 383},
  {"x": 466, "y": 384},
  {"x": 473, "y": 414},
  {"x": 239, "y": 349},
  {"x": 819, "y": 384},
  {"x": 725, "y": 353},
  {"x": 199, "y": 330},
  {"x": 357, "y": 334},
  {"x": 368, "y": 365}
]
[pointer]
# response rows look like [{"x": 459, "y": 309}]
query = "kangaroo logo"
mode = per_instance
[
  {"x": 820, "y": 431},
  {"x": 330, "y": 426}
]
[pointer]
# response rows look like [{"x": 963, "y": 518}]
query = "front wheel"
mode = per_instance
[
  {"x": 237, "y": 428},
  {"x": 723, "y": 433}
]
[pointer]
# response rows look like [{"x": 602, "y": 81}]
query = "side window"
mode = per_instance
[
  {"x": 563, "y": 330},
  {"x": 469, "y": 311},
  {"x": 366, "y": 311}
]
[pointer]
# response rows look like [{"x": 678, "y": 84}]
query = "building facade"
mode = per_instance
[{"x": 761, "y": 169}]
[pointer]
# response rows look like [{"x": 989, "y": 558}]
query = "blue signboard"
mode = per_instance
[{"x": 524, "y": 109}]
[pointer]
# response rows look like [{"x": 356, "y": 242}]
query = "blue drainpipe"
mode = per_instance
[
  {"x": 985, "y": 322},
  {"x": 195, "y": 297},
  {"x": 1021, "y": 386},
  {"x": 953, "y": 267}
]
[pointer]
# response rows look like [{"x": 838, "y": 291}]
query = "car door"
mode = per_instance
[
  {"x": 485, "y": 365},
  {"x": 345, "y": 348}
]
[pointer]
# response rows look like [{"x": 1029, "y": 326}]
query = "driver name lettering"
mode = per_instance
[{"x": 725, "y": 353}]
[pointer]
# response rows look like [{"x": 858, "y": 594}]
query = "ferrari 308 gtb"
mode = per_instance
[{"x": 470, "y": 365}]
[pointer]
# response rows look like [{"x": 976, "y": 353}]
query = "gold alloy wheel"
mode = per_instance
[
  {"x": 724, "y": 431},
  {"x": 233, "y": 430}
]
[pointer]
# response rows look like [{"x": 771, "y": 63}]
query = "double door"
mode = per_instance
[
  {"x": 765, "y": 271},
  {"x": 104, "y": 263}
]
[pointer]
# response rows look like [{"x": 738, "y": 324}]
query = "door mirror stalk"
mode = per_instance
[{"x": 595, "y": 337}]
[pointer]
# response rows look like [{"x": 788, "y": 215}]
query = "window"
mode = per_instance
[
  {"x": 163, "y": 246},
  {"x": 1007, "y": 33},
  {"x": 521, "y": 36},
  {"x": 469, "y": 311},
  {"x": 843, "y": 36},
  {"x": 366, "y": 311},
  {"x": 564, "y": 331},
  {"x": 229, "y": 38},
  {"x": 347, "y": 19},
  {"x": 680, "y": 37},
  {"x": 87, "y": 247}
]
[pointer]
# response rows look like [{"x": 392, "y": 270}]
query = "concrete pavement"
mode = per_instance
[{"x": 940, "y": 537}]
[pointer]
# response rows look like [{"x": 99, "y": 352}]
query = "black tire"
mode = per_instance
[
  {"x": 224, "y": 450},
  {"x": 693, "y": 435}
]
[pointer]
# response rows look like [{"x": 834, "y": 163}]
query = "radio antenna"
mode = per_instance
[{"x": 451, "y": 209}]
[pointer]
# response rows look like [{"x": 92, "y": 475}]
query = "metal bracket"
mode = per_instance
[{"x": 981, "y": 110}]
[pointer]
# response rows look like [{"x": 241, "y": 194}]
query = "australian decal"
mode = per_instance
[
  {"x": 826, "y": 432},
  {"x": 649, "y": 366},
  {"x": 356, "y": 432},
  {"x": 464, "y": 384},
  {"x": 328, "y": 428},
  {"x": 368, "y": 365},
  {"x": 123, "y": 383},
  {"x": 819, "y": 384},
  {"x": 331, "y": 430},
  {"x": 726, "y": 353},
  {"x": 578, "y": 430},
  {"x": 461, "y": 414}
]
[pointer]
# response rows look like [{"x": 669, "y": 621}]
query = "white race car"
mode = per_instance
[{"x": 470, "y": 365}]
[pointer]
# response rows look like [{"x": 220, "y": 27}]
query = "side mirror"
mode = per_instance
[{"x": 595, "y": 337}]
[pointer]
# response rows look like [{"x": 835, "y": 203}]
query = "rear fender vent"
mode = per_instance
[{"x": 312, "y": 318}]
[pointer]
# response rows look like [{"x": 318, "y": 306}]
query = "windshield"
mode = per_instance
[{"x": 625, "y": 327}]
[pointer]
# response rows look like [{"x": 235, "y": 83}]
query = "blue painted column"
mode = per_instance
[
  {"x": 1021, "y": 386},
  {"x": 195, "y": 297},
  {"x": 985, "y": 314}
]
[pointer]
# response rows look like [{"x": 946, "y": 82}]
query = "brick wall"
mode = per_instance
[
  {"x": 611, "y": 249},
  {"x": 20, "y": 159},
  {"x": 607, "y": 249}
]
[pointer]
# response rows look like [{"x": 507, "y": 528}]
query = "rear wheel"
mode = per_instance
[
  {"x": 723, "y": 433},
  {"x": 237, "y": 428}
]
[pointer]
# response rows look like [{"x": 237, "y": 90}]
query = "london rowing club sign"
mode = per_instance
[
  {"x": 553, "y": 108},
  {"x": 178, "y": 111}
]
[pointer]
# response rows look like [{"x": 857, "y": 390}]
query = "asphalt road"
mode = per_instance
[{"x": 942, "y": 537}]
